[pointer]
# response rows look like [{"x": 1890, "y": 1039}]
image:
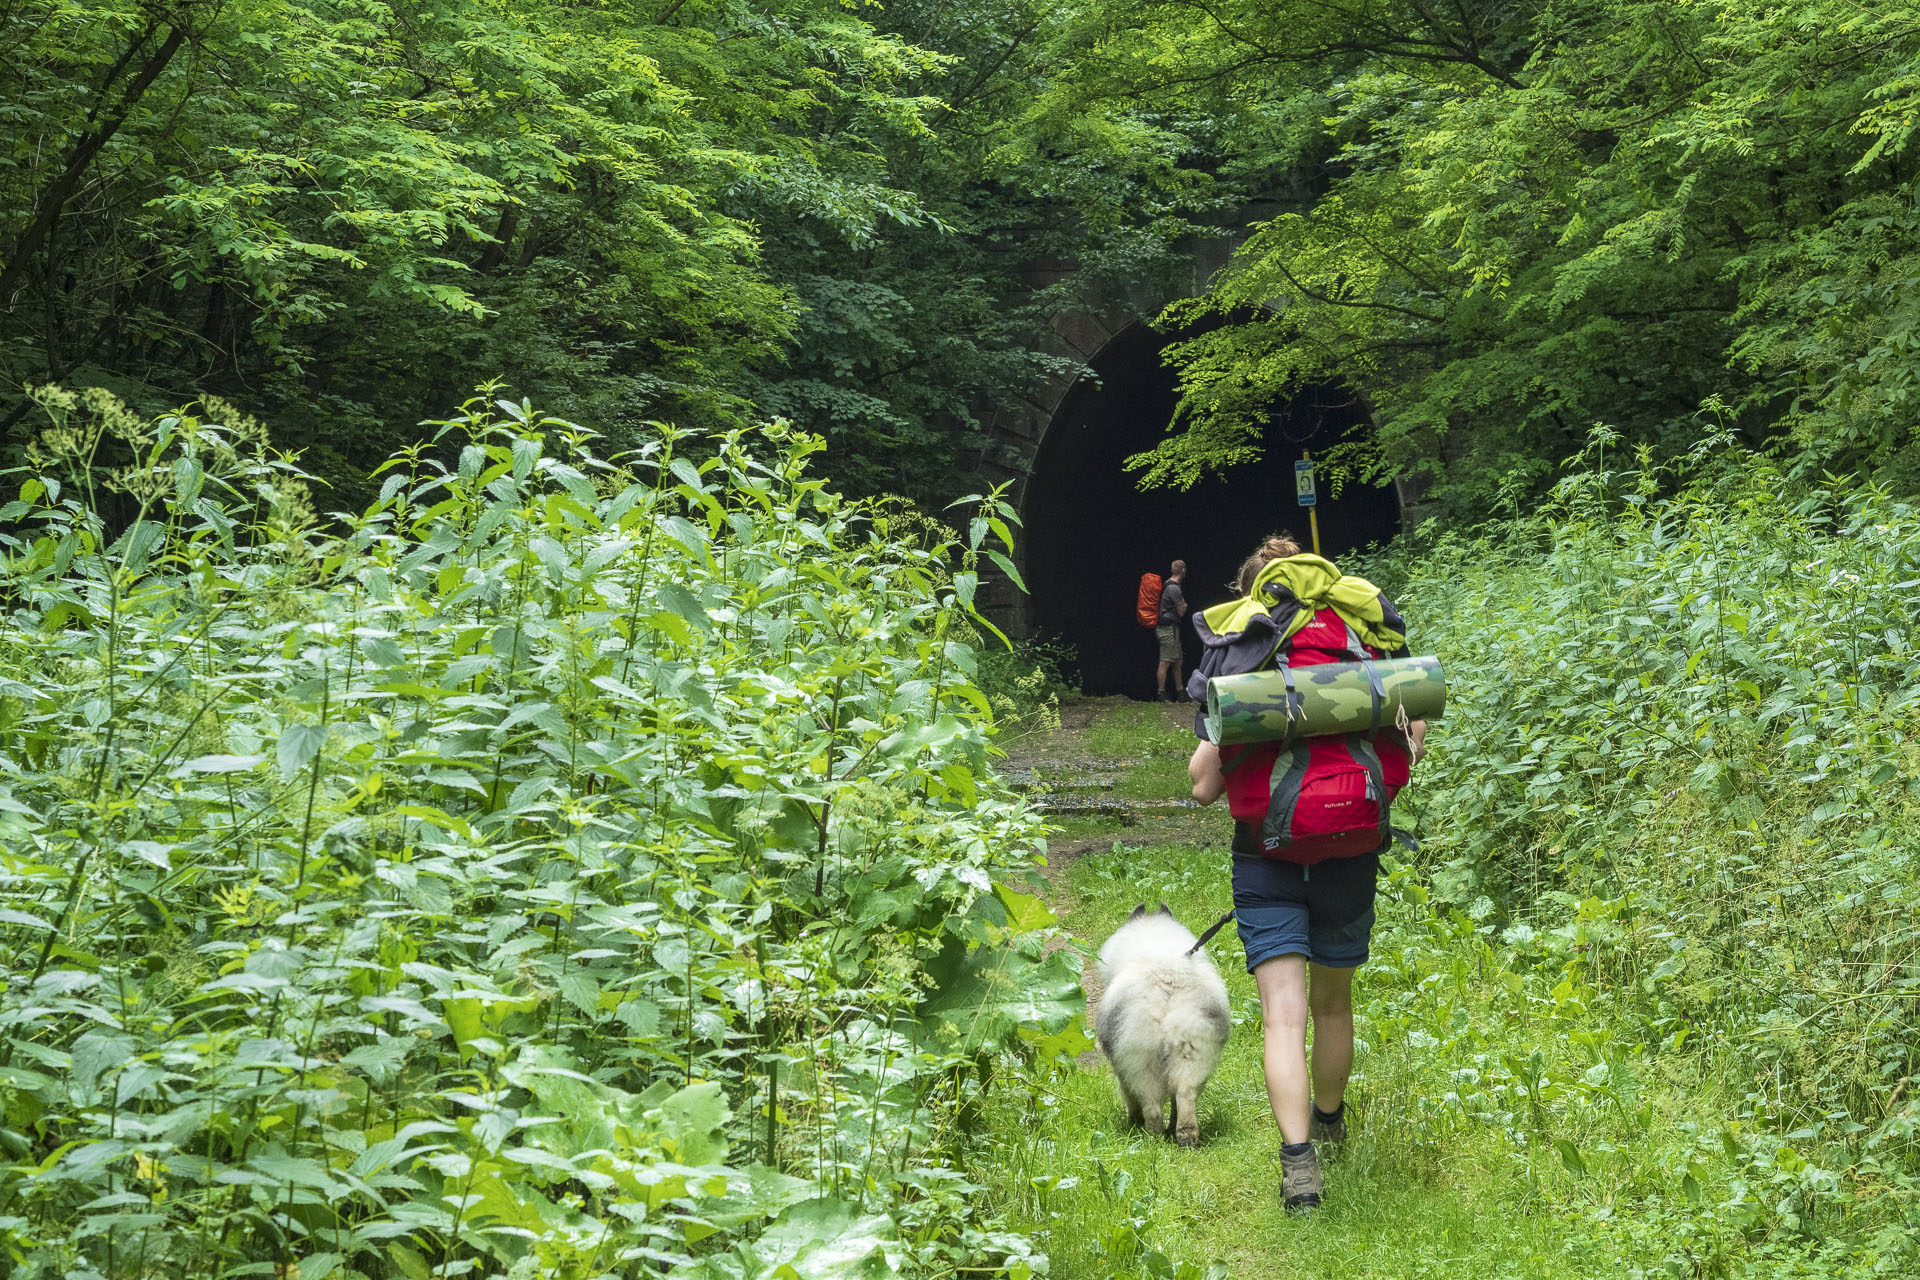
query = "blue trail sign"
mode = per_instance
[{"x": 1303, "y": 482}]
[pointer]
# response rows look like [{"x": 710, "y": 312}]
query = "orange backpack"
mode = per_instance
[{"x": 1147, "y": 609}]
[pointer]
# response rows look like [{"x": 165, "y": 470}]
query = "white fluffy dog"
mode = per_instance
[{"x": 1162, "y": 1020}]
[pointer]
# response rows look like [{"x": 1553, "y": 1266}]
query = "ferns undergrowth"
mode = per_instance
[{"x": 565, "y": 867}]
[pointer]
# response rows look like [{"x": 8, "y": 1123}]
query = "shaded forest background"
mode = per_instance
[{"x": 1504, "y": 221}]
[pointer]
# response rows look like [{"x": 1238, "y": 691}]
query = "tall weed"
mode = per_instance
[
  {"x": 1680, "y": 763},
  {"x": 564, "y": 867}
]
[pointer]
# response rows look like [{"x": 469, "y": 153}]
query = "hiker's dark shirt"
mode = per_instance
[{"x": 1170, "y": 601}]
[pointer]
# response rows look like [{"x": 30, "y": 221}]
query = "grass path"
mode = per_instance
[{"x": 1501, "y": 1127}]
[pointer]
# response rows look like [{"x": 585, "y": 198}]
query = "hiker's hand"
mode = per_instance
[
  {"x": 1209, "y": 784},
  {"x": 1416, "y": 734}
]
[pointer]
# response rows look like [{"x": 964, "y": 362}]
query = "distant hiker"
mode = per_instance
[
  {"x": 1173, "y": 607},
  {"x": 1307, "y": 837}
]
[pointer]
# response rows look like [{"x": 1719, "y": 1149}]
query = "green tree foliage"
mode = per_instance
[
  {"x": 349, "y": 210},
  {"x": 1508, "y": 220},
  {"x": 347, "y": 213},
  {"x": 913, "y": 338},
  {"x": 565, "y": 868}
]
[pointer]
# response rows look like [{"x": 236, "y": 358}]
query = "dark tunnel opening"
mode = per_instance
[{"x": 1091, "y": 532}]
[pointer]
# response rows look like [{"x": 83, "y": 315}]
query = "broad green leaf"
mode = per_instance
[
  {"x": 681, "y": 602},
  {"x": 1025, "y": 911},
  {"x": 825, "y": 1239},
  {"x": 983, "y": 993},
  {"x": 582, "y": 992},
  {"x": 553, "y": 558},
  {"x": 1006, "y": 567},
  {"x": 693, "y": 1124},
  {"x": 298, "y": 745}
]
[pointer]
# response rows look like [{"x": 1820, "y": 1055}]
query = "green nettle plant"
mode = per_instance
[
  {"x": 1679, "y": 770},
  {"x": 564, "y": 867}
]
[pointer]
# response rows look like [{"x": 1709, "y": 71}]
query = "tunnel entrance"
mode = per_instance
[{"x": 1090, "y": 533}]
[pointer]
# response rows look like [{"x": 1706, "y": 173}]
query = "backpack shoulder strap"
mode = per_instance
[
  {"x": 1277, "y": 831},
  {"x": 1358, "y": 651}
]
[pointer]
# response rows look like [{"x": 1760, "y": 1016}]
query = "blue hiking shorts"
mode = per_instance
[{"x": 1323, "y": 912}]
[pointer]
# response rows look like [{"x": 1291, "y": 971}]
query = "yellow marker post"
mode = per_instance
[{"x": 1303, "y": 492}]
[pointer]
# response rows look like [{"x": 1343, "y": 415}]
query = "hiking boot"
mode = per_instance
[
  {"x": 1331, "y": 1131},
  {"x": 1301, "y": 1181}
]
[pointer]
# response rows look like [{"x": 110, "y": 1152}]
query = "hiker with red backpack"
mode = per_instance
[
  {"x": 1310, "y": 821},
  {"x": 1161, "y": 605}
]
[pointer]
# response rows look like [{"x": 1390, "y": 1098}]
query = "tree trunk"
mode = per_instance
[
  {"x": 502, "y": 236},
  {"x": 54, "y": 198}
]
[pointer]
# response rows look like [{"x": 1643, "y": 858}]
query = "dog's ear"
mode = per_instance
[{"x": 1138, "y": 912}]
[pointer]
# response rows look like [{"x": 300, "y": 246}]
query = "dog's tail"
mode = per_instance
[{"x": 1192, "y": 1050}]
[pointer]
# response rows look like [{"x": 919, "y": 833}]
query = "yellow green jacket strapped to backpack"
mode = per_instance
[
  {"x": 1314, "y": 584},
  {"x": 1244, "y": 635}
]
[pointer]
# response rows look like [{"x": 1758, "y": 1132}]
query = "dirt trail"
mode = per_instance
[{"x": 1076, "y": 783}]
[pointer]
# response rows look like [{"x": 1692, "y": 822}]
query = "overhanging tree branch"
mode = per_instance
[{"x": 54, "y": 198}]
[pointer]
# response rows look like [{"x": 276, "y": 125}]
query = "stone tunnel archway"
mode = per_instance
[{"x": 1091, "y": 532}]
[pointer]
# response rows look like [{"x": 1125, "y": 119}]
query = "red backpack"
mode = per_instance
[
  {"x": 1324, "y": 797},
  {"x": 1146, "y": 610}
]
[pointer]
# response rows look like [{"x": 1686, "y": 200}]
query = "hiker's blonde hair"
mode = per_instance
[{"x": 1275, "y": 546}]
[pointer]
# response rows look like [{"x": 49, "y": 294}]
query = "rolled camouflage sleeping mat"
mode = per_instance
[{"x": 1338, "y": 697}]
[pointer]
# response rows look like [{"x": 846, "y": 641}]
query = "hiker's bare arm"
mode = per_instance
[
  {"x": 1208, "y": 782},
  {"x": 1183, "y": 608},
  {"x": 1416, "y": 735}
]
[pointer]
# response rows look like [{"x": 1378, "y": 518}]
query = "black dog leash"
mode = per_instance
[{"x": 1206, "y": 937}]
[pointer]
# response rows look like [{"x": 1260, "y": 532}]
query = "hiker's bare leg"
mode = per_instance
[
  {"x": 1283, "y": 1012},
  {"x": 1330, "y": 998},
  {"x": 1160, "y": 677}
]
